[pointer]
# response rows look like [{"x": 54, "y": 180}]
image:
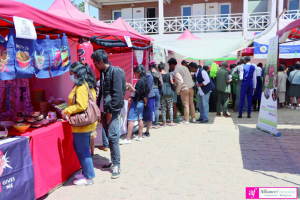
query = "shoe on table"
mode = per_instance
[
  {"x": 138, "y": 139},
  {"x": 79, "y": 176},
  {"x": 240, "y": 116},
  {"x": 83, "y": 181},
  {"x": 116, "y": 172},
  {"x": 125, "y": 142},
  {"x": 103, "y": 148},
  {"x": 108, "y": 166},
  {"x": 227, "y": 115},
  {"x": 203, "y": 121}
]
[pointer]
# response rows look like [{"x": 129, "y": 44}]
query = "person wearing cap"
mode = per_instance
[
  {"x": 223, "y": 87},
  {"x": 248, "y": 76},
  {"x": 184, "y": 86},
  {"x": 205, "y": 86},
  {"x": 185, "y": 63}
]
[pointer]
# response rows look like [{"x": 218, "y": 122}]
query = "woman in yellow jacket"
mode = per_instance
[{"x": 82, "y": 74}]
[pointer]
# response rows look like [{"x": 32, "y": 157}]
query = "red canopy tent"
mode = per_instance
[
  {"x": 44, "y": 22},
  {"x": 187, "y": 35},
  {"x": 294, "y": 27},
  {"x": 123, "y": 25}
]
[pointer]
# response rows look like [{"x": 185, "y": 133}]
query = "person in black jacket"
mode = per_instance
[
  {"x": 138, "y": 101},
  {"x": 110, "y": 101}
]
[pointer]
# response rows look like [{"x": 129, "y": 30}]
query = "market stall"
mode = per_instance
[{"x": 46, "y": 57}]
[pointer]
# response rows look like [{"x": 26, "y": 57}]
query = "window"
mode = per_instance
[
  {"x": 186, "y": 12},
  {"x": 225, "y": 10},
  {"x": 116, "y": 14},
  {"x": 293, "y": 5}
]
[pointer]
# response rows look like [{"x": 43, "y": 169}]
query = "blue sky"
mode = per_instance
[{"x": 45, "y": 4}]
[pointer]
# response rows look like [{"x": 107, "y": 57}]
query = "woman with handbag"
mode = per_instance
[
  {"x": 82, "y": 112},
  {"x": 167, "y": 95},
  {"x": 138, "y": 101},
  {"x": 157, "y": 90}
]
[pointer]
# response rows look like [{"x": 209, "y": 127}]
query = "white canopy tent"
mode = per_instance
[{"x": 203, "y": 49}]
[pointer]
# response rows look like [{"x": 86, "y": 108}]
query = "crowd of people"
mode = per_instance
[{"x": 183, "y": 88}]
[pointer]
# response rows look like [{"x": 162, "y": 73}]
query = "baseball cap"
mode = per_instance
[
  {"x": 152, "y": 62},
  {"x": 184, "y": 62}
]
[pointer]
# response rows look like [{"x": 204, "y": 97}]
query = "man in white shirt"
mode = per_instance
[
  {"x": 205, "y": 86},
  {"x": 248, "y": 76}
]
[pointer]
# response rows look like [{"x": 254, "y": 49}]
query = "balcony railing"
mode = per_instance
[
  {"x": 144, "y": 26},
  {"x": 204, "y": 23},
  {"x": 258, "y": 21},
  {"x": 291, "y": 15}
]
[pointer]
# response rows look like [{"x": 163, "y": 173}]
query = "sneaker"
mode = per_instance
[
  {"x": 146, "y": 134},
  {"x": 109, "y": 166},
  {"x": 103, "y": 148},
  {"x": 83, "y": 181},
  {"x": 138, "y": 138},
  {"x": 204, "y": 121},
  {"x": 79, "y": 176},
  {"x": 227, "y": 115},
  {"x": 116, "y": 172},
  {"x": 194, "y": 120},
  {"x": 249, "y": 116},
  {"x": 292, "y": 107},
  {"x": 219, "y": 114},
  {"x": 125, "y": 142},
  {"x": 240, "y": 116},
  {"x": 297, "y": 108},
  {"x": 185, "y": 122},
  {"x": 199, "y": 120}
]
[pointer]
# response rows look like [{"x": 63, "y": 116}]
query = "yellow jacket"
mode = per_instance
[{"x": 81, "y": 105}]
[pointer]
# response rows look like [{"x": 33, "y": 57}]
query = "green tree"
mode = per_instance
[{"x": 78, "y": 6}]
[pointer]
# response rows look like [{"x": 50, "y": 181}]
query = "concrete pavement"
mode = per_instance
[{"x": 199, "y": 161}]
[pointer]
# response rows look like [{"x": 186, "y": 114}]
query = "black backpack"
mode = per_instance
[{"x": 123, "y": 78}]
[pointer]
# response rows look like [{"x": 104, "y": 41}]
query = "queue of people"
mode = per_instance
[{"x": 158, "y": 88}]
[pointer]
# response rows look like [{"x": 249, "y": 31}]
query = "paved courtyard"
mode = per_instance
[{"x": 199, "y": 161}]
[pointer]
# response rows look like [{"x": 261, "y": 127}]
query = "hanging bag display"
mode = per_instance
[
  {"x": 24, "y": 49},
  {"x": 42, "y": 57},
  {"x": 55, "y": 57},
  {"x": 7, "y": 58},
  {"x": 65, "y": 54},
  {"x": 87, "y": 117}
]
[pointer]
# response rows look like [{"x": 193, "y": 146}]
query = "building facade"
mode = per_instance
[{"x": 167, "y": 19}]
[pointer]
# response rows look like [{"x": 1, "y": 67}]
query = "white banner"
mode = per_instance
[
  {"x": 267, "y": 120},
  {"x": 158, "y": 54}
]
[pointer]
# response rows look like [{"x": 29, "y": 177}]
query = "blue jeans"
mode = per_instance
[
  {"x": 157, "y": 102},
  {"x": 112, "y": 131},
  {"x": 104, "y": 139},
  {"x": 204, "y": 106},
  {"x": 81, "y": 143}
]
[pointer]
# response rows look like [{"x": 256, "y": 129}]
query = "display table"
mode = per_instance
[
  {"x": 53, "y": 155},
  {"x": 16, "y": 170}
]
